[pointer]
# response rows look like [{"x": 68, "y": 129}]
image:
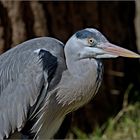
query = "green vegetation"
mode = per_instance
[{"x": 124, "y": 126}]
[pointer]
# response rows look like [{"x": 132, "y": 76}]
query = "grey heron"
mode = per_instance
[{"x": 42, "y": 80}]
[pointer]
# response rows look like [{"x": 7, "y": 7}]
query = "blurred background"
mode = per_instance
[{"x": 114, "y": 112}]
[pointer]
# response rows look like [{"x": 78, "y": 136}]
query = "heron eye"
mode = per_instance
[{"x": 90, "y": 40}]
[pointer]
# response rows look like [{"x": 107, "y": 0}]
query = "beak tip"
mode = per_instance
[
  {"x": 134, "y": 56},
  {"x": 111, "y": 48}
]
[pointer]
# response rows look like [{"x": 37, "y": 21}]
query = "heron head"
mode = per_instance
[{"x": 90, "y": 43}]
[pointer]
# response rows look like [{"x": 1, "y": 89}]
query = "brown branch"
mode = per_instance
[
  {"x": 125, "y": 106},
  {"x": 40, "y": 28},
  {"x": 18, "y": 26}
]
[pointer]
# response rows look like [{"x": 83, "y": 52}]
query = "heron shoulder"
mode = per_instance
[{"x": 53, "y": 45}]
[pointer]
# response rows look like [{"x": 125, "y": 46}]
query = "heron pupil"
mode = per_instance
[{"x": 91, "y": 40}]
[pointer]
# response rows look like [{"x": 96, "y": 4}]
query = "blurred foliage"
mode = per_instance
[
  {"x": 124, "y": 126},
  {"x": 127, "y": 127}
]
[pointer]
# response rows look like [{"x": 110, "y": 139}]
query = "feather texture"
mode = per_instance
[{"x": 24, "y": 77}]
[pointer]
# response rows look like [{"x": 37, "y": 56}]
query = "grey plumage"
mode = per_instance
[
  {"x": 22, "y": 77},
  {"x": 41, "y": 81}
]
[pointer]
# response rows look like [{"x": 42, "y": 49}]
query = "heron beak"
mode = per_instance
[{"x": 118, "y": 51}]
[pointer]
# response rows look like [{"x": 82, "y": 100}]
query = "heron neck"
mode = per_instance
[
  {"x": 83, "y": 67},
  {"x": 80, "y": 82}
]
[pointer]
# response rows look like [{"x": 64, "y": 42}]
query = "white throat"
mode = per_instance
[{"x": 77, "y": 66}]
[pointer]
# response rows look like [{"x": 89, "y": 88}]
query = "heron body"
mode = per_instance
[
  {"x": 24, "y": 80},
  {"x": 42, "y": 80}
]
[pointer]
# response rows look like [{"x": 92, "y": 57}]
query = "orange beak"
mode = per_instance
[{"x": 119, "y": 51}]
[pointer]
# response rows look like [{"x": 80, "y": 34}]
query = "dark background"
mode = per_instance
[{"x": 23, "y": 20}]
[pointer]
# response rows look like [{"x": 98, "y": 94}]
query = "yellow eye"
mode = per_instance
[{"x": 90, "y": 40}]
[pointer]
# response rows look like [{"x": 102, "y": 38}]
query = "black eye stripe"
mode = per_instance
[{"x": 83, "y": 34}]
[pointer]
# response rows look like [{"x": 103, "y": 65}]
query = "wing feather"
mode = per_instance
[{"x": 22, "y": 79}]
